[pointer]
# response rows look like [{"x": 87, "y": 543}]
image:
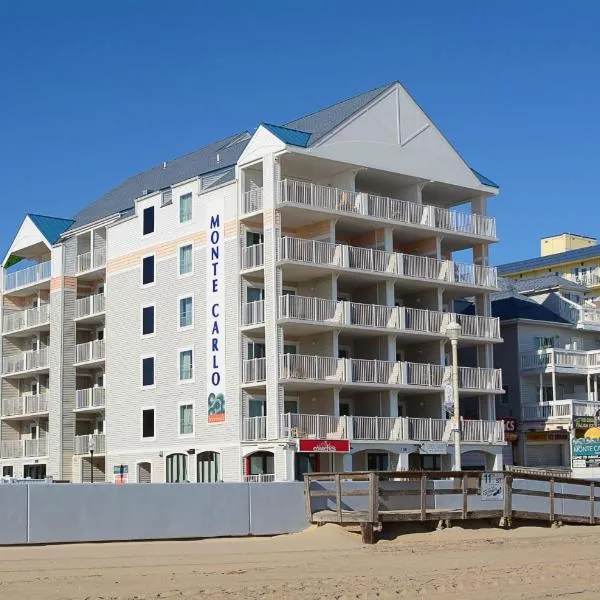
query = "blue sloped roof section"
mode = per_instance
[
  {"x": 51, "y": 227},
  {"x": 215, "y": 156},
  {"x": 485, "y": 180},
  {"x": 320, "y": 123},
  {"x": 550, "y": 260},
  {"x": 289, "y": 136},
  {"x": 507, "y": 306}
]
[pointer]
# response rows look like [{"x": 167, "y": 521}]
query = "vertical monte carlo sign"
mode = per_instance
[{"x": 215, "y": 309}]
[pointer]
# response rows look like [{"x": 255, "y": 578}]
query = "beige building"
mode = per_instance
[{"x": 556, "y": 244}]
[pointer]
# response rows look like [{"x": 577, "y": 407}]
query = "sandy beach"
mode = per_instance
[{"x": 326, "y": 562}]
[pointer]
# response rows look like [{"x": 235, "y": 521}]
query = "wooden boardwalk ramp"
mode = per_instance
[{"x": 370, "y": 499}]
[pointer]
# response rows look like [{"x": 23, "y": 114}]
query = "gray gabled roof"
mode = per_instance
[{"x": 214, "y": 157}]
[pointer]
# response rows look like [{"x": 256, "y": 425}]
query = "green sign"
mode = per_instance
[
  {"x": 120, "y": 469},
  {"x": 585, "y": 447},
  {"x": 584, "y": 422}
]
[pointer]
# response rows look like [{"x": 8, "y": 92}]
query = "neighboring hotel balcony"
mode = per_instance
[
  {"x": 365, "y": 261},
  {"x": 25, "y": 406},
  {"x": 90, "y": 399},
  {"x": 391, "y": 429},
  {"x": 23, "y": 278},
  {"x": 30, "y": 319},
  {"x": 559, "y": 410},
  {"x": 25, "y": 362},
  {"x": 252, "y": 201},
  {"x": 90, "y": 306},
  {"x": 24, "y": 448},
  {"x": 89, "y": 352},
  {"x": 323, "y": 370},
  {"x": 82, "y": 443},
  {"x": 91, "y": 261},
  {"x": 320, "y": 312},
  {"x": 400, "y": 212},
  {"x": 561, "y": 361}
]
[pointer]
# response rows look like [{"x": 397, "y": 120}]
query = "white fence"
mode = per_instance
[
  {"x": 23, "y": 319},
  {"x": 389, "y": 263},
  {"x": 25, "y": 361},
  {"x": 24, "y": 448},
  {"x": 551, "y": 358},
  {"x": 253, "y": 313},
  {"x": 559, "y": 409},
  {"x": 25, "y": 405},
  {"x": 89, "y": 305},
  {"x": 253, "y": 256},
  {"x": 390, "y": 209},
  {"x": 90, "y": 398},
  {"x": 82, "y": 443},
  {"x": 254, "y": 369},
  {"x": 89, "y": 351},
  {"x": 255, "y": 428},
  {"x": 91, "y": 260},
  {"x": 27, "y": 276},
  {"x": 252, "y": 201}
]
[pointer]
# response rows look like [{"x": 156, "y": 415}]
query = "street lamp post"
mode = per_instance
[
  {"x": 92, "y": 447},
  {"x": 453, "y": 331}
]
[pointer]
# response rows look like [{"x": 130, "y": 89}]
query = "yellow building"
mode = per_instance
[{"x": 571, "y": 256}]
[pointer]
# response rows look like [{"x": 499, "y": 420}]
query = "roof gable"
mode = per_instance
[
  {"x": 289, "y": 136},
  {"x": 51, "y": 227}
]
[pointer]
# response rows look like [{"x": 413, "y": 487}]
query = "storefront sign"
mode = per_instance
[
  {"x": 584, "y": 422},
  {"x": 434, "y": 448},
  {"x": 491, "y": 486},
  {"x": 546, "y": 436},
  {"x": 510, "y": 429},
  {"x": 586, "y": 448},
  {"x": 324, "y": 446},
  {"x": 120, "y": 474},
  {"x": 215, "y": 308}
]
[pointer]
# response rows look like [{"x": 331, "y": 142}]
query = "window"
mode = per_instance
[
  {"x": 148, "y": 270},
  {"x": 148, "y": 371},
  {"x": 186, "y": 362},
  {"x": 100, "y": 334},
  {"x": 186, "y": 312},
  {"x": 148, "y": 226},
  {"x": 186, "y": 419},
  {"x": 256, "y": 350},
  {"x": 166, "y": 197},
  {"x": 254, "y": 294},
  {"x": 290, "y": 406},
  {"x": 148, "y": 423},
  {"x": 34, "y": 388},
  {"x": 7, "y": 471},
  {"x": 257, "y": 407},
  {"x": 185, "y": 208},
  {"x": 176, "y": 468},
  {"x": 186, "y": 258},
  {"x": 542, "y": 342},
  {"x": 505, "y": 398},
  {"x": 208, "y": 467},
  {"x": 254, "y": 237},
  {"x": 377, "y": 462},
  {"x": 148, "y": 320}
]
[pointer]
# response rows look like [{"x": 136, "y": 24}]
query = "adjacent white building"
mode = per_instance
[{"x": 270, "y": 304}]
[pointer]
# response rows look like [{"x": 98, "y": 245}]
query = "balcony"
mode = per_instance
[
  {"x": 90, "y": 399},
  {"x": 25, "y": 362},
  {"x": 25, "y": 405},
  {"x": 253, "y": 313},
  {"x": 298, "y": 368},
  {"x": 27, "y": 319},
  {"x": 253, "y": 257},
  {"x": 355, "y": 428},
  {"x": 401, "y": 212},
  {"x": 91, "y": 261},
  {"x": 89, "y": 352},
  {"x": 588, "y": 279},
  {"x": 252, "y": 201},
  {"x": 260, "y": 478},
  {"x": 82, "y": 443},
  {"x": 588, "y": 318},
  {"x": 26, "y": 277},
  {"x": 559, "y": 410},
  {"x": 24, "y": 448},
  {"x": 319, "y": 312},
  {"x": 562, "y": 360},
  {"x": 90, "y": 306},
  {"x": 419, "y": 269}
]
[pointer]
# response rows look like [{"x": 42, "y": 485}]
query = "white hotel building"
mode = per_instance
[{"x": 270, "y": 304}]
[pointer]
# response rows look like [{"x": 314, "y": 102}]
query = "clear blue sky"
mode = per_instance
[{"x": 92, "y": 92}]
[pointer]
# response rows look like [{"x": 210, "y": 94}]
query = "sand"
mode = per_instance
[{"x": 320, "y": 563}]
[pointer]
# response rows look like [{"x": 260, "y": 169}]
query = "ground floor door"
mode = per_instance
[
  {"x": 34, "y": 471},
  {"x": 306, "y": 462},
  {"x": 544, "y": 455}
]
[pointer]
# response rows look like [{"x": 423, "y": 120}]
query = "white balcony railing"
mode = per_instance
[
  {"x": 27, "y": 276},
  {"x": 254, "y": 369},
  {"x": 255, "y": 428},
  {"x": 253, "y": 313},
  {"x": 321, "y": 310},
  {"x": 389, "y": 209},
  {"x": 252, "y": 201},
  {"x": 587, "y": 361},
  {"x": 253, "y": 256},
  {"x": 588, "y": 279},
  {"x": 89, "y": 351},
  {"x": 89, "y": 305},
  {"x": 91, "y": 260},
  {"x": 25, "y": 405},
  {"x": 90, "y": 398},
  {"x": 410, "y": 266},
  {"x": 260, "y": 478},
  {"x": 24, "y": 448},
  {"x": 559, "y": 409},
  {"x": 82, "y": 443},
  {"x": 307, "y": 426},
  {"x": 25, "y": 361},
  {"x": 24, "y": 319}
]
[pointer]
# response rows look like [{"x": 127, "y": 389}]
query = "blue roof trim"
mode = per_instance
[
  {"x": 51, "y": 227},
  {"x": 485, "y": 180},
  {"x": 548, "y": 261},
  {"x": 287, "y": 135}
]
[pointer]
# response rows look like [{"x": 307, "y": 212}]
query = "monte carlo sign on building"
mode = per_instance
[{"x": 215, "y": 306}]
